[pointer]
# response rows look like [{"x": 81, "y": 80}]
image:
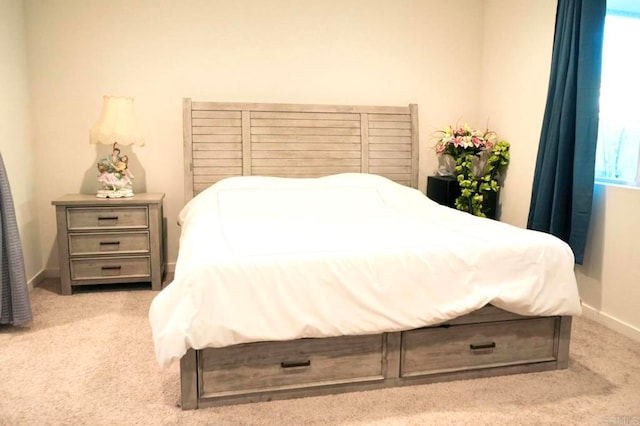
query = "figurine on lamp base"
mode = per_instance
[{"x": 114, "y": 176}]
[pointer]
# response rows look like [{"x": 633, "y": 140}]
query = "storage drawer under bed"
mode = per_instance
[
  {"x": 266, "y": 366},
  {"x": 446, "y": 349},
  {"x": 488, "y": 342}
]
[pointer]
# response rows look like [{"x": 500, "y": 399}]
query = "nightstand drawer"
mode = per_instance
[
  {"x": 108, "y": 243},
  {"x": 110, "y": 267},
  {"x": 79, "y": 218},
  {"x": 483, "y": 345}
]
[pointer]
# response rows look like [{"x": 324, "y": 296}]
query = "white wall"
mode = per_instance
[
  {"x": 516, "y": 60},
  {"x": 15, "y": 142},
  {"x": 608, "y": 279},
  {"x": 377, "y": 52}
]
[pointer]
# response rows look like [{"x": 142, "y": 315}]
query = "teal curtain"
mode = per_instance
[{"x": 563, "y": 182}]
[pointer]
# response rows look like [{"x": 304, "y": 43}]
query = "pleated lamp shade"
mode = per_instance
[{"x": 117, "y": 123}]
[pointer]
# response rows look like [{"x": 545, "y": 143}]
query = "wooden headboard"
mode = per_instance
[{"x": 290, "y": 140}]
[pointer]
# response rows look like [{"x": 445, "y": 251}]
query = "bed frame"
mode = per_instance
[{"x": 290, "y": 140}]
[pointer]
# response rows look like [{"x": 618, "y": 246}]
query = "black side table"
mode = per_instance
[{"x": 445, "y": 189}]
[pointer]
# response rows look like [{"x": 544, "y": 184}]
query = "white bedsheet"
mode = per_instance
[{"x": 278, "y": 259}]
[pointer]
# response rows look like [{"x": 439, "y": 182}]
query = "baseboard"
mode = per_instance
[
  {"x": 611, "y": 322},
  {"x": 36, "y": 280}
]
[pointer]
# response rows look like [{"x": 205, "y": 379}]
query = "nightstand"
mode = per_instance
[
  {"x": 445, "y": 189},
  {"x": 110, "y": 240}
]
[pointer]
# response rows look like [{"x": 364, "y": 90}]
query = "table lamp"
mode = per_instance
[{"x": 116, "y": 126}]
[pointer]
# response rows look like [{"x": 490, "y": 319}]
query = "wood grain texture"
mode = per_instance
[
  {"x": 189, "y": 380},
  {"x": 87, "y": 244},
  {"x": 187, "y": 148},
  {"x": 63, "y": 249},
  {"x": 253, "y": 372},
  {"x": 276, "y": 366},
  {"x": 364, "y": 143},
  {"x": 101, "y": 268},
  {"x": 470, "y": 346},
  {"x": 291, "y": 140},
  {"x": 563, "y": 341},
  {"x": 109, "y": 241},
  {"x": 246, "y": 143},
  {"x": 268, "y": 107},
  {"x": 93, "y": 218}
]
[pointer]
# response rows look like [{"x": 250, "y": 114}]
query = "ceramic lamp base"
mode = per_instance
[{"x": 115, "y": 193}]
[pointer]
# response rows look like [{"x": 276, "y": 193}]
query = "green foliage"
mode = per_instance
[{"x": 475, "y": 189}]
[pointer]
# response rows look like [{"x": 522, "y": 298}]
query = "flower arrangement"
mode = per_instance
[
  {"x": 456, "y": 142},
  {"x": 480, "y": 161}
]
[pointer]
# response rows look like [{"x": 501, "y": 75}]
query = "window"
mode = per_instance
[{"x": 618, "y": 150}]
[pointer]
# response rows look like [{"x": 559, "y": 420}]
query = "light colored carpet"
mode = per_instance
[{"x": 88, "y": 359}]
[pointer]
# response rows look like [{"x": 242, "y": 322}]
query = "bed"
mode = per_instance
[{"x": 308, "y": 266}]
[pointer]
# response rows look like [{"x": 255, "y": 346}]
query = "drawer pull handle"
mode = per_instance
[
  {"x": 296, "y": 364},
  {"x": 481, "y": 346},
  {"x": 107, "y": 218},
  {"x": 109, "y": 243},
  {"x": 112, "y": 268}
]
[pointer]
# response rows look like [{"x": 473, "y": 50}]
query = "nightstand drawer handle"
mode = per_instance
[
  {"x": 111, "y": 268},
  {"x": 107, "y": 218},
  {"x": 109, "y": 243}
]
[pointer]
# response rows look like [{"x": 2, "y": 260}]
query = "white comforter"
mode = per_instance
[{"x": 278, "y": 259}]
